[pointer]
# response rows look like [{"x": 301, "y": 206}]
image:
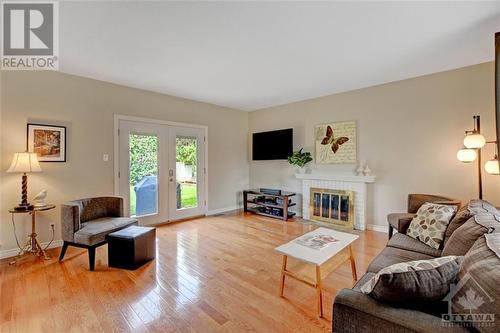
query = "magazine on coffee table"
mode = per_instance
[{"x": 316, "y": 242}]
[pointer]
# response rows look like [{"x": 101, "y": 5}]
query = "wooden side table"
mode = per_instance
[{"x": 32, "y": 245}]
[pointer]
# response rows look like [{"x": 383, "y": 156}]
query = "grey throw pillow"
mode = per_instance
[
  {"x": 477, "y": 291},
  {"x": 430, "y": 223},
  {"x": 414, "y": 281},
  {"x": 464, "y": 237}
]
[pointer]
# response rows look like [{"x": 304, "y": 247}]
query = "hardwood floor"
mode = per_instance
[{"x": 213, "y": 274}]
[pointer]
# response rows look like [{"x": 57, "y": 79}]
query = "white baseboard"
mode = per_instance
[
  {"x": 376, "y": 227},
  {"x": 223, "y": 210},
  {"x": 13, "y": 252}
]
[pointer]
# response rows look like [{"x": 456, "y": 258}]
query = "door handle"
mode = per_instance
[{"x": 171, "y": 175}]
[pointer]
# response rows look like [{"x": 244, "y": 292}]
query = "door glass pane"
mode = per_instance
[
  {"x": 185, "y": 171},
  {"x": 143, "y": 174}
]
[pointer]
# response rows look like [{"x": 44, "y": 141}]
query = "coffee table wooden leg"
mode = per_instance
[
  {"x": 282, "y": 278},
  {"x": 318, "y": 291},
  {"x": 353, "y": 264}
]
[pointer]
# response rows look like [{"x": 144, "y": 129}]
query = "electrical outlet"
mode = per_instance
[{"x": 52, "y": 227}]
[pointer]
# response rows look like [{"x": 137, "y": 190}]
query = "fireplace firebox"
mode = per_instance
[{"x": 332, "y": 206}]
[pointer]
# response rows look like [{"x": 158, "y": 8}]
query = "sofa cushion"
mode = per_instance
[
  {"x": 415, "y": 281},
  {"x": 95, "y": 231},
  {"x": 392, "y": 255},
  {"x": 464, "y": 214},
  {"x": 477, "y": 289},
  {"x": 405, "y": 242},
  {"x": 482, "y": 206},
  {"x": 466, "y": 235},
  {"x": 430, "y": 223}
]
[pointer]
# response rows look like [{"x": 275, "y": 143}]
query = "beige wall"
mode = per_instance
[
  {"x": 87, "y": 107},
  {"x": 408, "y": 132}
]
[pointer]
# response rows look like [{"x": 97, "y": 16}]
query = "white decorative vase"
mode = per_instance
[
  {"x": 360, "y": 170},
  {"x": 300, "y": 170},
  {"x": 367, "y": 171}
]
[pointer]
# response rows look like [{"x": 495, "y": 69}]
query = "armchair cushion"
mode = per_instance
[
  {"x": 400, "y": 221},
  {"x": 95, "y": 231}
]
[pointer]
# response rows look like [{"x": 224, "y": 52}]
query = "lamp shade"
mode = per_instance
[
  {"x": 474, "y": 141},
  {"x": 466, "y": 155},
  {"x": 25, "y": 162},
  {"x": 492, "y": 166}
]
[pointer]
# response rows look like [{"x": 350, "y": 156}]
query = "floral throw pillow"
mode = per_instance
[{"x": 430, "y": 223}]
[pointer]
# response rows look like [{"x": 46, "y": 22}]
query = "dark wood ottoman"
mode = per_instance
[{"x": 132, "y": 247}]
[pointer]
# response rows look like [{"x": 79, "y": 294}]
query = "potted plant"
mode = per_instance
[{"x": 300, "y": 159}]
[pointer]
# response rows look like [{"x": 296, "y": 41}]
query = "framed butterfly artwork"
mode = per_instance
[{"x": 335, "y": 143}]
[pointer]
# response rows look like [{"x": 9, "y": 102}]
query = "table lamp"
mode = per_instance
[{"x": 24, "y": 163}]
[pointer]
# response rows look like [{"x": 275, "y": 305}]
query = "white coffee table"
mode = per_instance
[{"x": 314, "y": 264}]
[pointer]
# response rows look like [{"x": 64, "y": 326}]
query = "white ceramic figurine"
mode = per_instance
[{"x": 40, "y": 199}]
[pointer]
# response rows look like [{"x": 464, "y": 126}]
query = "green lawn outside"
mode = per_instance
[{"x": 188, "y": 197}]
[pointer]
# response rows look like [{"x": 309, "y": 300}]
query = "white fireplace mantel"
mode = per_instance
[
  {"x": 357, "y": 184},
  {"x": 340, "y": 178}
]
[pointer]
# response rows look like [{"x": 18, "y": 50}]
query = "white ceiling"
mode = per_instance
[{"x": 251, "y": 55}]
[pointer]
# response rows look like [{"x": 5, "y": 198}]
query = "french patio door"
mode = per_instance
[{"x": 161, "y": 171}]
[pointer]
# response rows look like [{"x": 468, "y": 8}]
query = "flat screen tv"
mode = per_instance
[
  {"x": 497, "y": 87},
  {"x": 274, "y": 145}
]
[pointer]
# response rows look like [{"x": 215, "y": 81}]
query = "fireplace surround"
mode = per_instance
[{"x": 357, "y": 184}]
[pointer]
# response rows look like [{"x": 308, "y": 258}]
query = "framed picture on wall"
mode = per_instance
[
  {"x": 48, "y": 142},
  {"x": 335, "y": 143}
]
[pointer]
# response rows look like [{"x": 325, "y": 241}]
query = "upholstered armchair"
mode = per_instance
[
  {"x": 401, "y": 221},
  {"x": 86, "y": 223}
]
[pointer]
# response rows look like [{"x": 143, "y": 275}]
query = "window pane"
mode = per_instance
[
  {"x": 186, "y": 163},
  {"x": 143, "y": 174}
]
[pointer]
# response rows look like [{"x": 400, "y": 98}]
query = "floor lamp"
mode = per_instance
[{"x": 474, "y": 141}]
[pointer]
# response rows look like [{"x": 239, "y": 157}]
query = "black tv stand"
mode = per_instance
[{"x": 269, "y": 202}]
